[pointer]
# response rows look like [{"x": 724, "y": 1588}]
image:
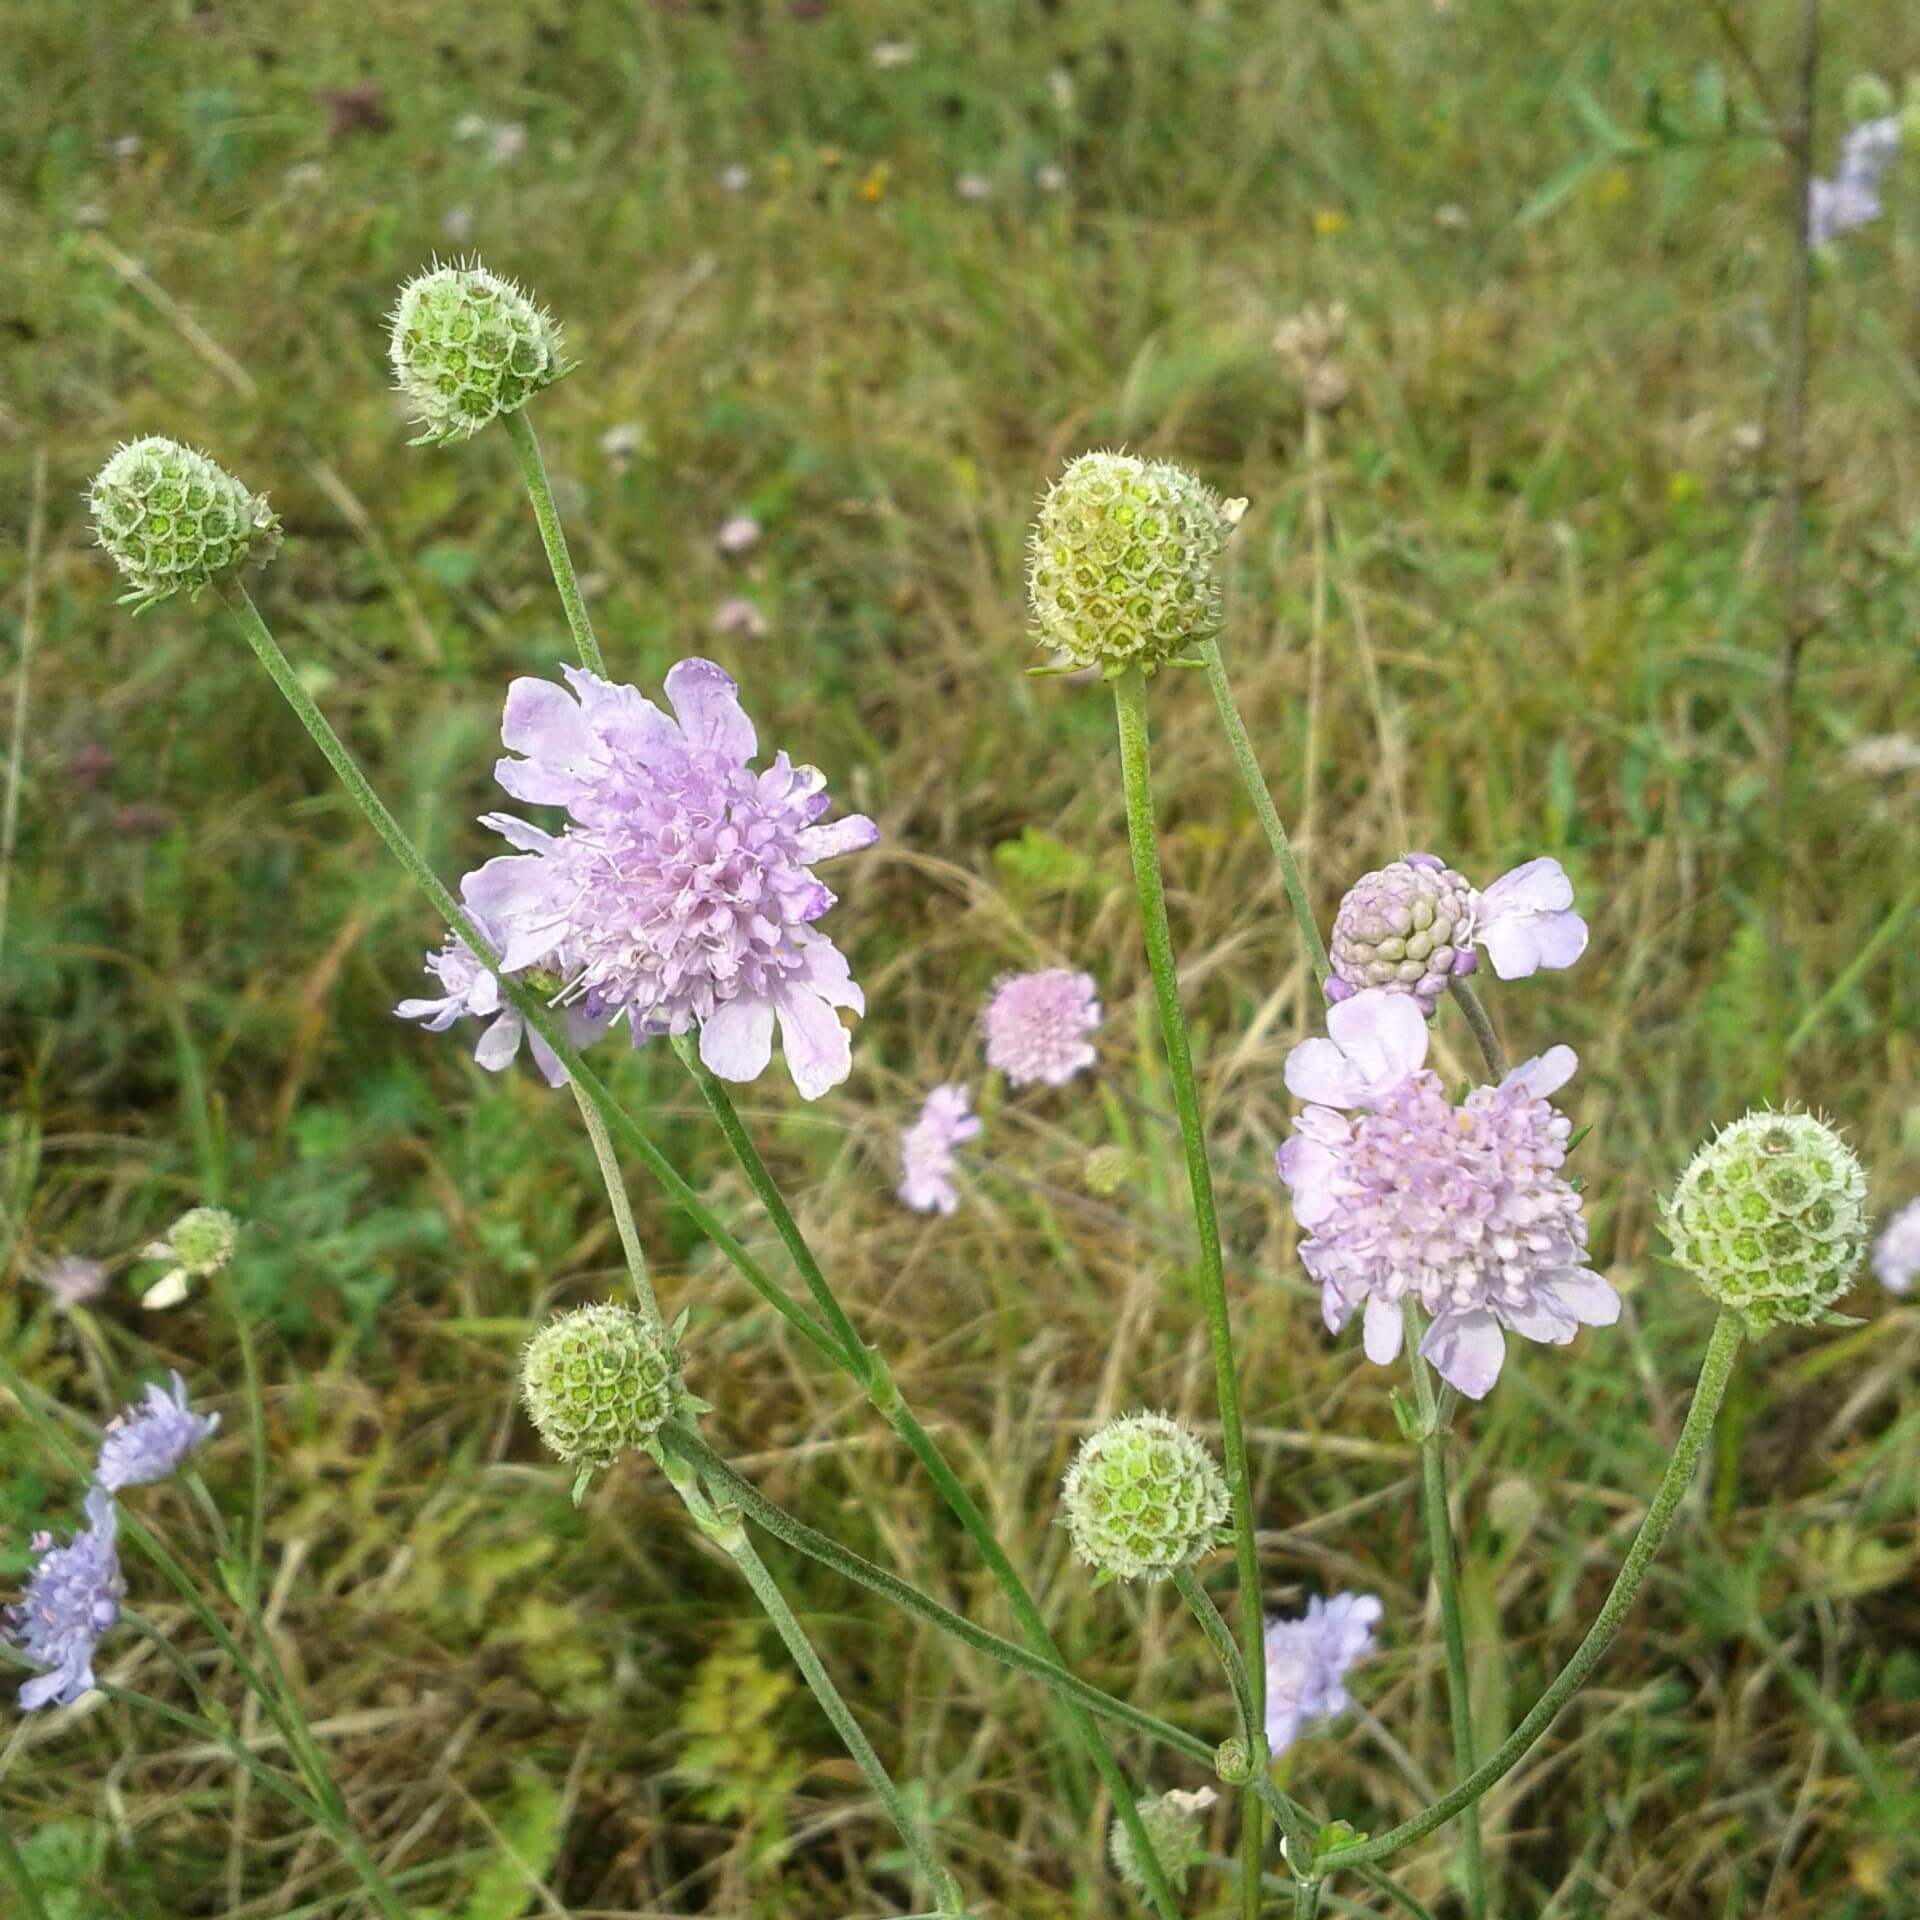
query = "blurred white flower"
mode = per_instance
[
  {"x": 888, "y": 54},
  {"x": 1884, "y": 756},
  {"x": 739, "y": 617},
  {"x": 735, "y": 179},
  {"x": 1050, "y": 177},
  {"x": 741, "y": 534},
  {"x": 623, "y": 440},
  {"x": 973, "y": 186}
]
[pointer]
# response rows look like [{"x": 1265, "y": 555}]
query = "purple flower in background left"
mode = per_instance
[
  {"x": 1896, "y": 1254},
  {"x": 681, "y": 892},
  {"x": 152, "y": 1437},
  {"x": 1460, "y": 1209},
  {"x": 1308, "y": 1658},
  {"x": 927, "y": 1159},
  {"x": 72, "y": 1597}
]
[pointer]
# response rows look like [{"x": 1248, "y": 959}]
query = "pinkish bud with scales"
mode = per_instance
[{"x": 1415, "y": 925}]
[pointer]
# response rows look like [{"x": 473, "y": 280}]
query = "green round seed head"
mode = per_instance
[
  {"x": 467, "y": 346},
  {"x": 1770, "y": 1218},
  {"x": 597, "y": 1383},
  {"x": 1143, "y": 1499},
  {"x": 202, "y": 1239},
  {"x": 174, "y": 521},
  {"x": 1124, "y": 566}
]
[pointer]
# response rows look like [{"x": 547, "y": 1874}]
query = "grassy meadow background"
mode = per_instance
[{"x": 1519, "y": 599}]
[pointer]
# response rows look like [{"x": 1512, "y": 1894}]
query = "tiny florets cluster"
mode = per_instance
[
  {"x": 1408, "y": 926},
  {"x": 149, "y": 1440},
  {"x": 1172, "y": 1821},
  {"x": 1039, "y": 1026},
  {"x": 1125, "y": 563},
  {"x": 199, "y": 1244},
  {"x": 1143, "y": 1499},
  {"x": 1770, "y": 1218},
  {"x": 467, "y": 346},
  {"x": 71, "y": 1599},
  {"x": 174, "y": 521},
  {"x": 597, "y": 1382}
]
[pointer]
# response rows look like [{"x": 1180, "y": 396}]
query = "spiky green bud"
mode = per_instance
[
  {"x": 467, "y": 346},
  {"x": 1770, "y": 1218},
  {"x": 1867, "y": 97},
  {"x": 1232, "y": 1762},
  {"x": 1125, "y": 563},
  {"x": 1143, "y": 1499},
  {"x": 1172, "y": 1821},
  {"x": 597, "y": 1382},
  {"x": 174, "y": 521}
]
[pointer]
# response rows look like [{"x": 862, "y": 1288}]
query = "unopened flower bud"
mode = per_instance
[
  {"x": 597, "y": 1381},
  {"x": 1106, "y": 1170},
  {"x": 468, "y": 345},
  {"x": 1232, "y": 1762},
  {"x": 1125, "y": 562},
  {"x": 199, "y": 1244},
  {"x": 175, "y": 521},
  {"x": 1143, "y": 1499},
  {"x": 1770, "y": 1218},
  {"x": 1867, "y": 97},
  {"x": 1409, "y": 927},
  {"x": 1172, "y": 1821}
]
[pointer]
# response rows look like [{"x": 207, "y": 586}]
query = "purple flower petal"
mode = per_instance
[{"x": 1466, "y": 1350}]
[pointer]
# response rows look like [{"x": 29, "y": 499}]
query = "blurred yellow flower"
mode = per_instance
[
  {"x": 1613, "y": 186},
  {"x": 1329, "y": 221},
  {"x": 1683, "y": 486},
  {"x": 874, "y": 186}
]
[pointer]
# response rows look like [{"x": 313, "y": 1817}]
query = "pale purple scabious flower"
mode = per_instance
[
  {"x": 1037, "y": 1026},
  {"x": 681, "y": 892},
  {"x": 927, "y": 1159},
  {"x": 1852, "y": 197},
  {"x": 1896, "y": 1254},
  {"x": 1461, "y": 1209},
  {"x": 739, "y": 617},
  {"x": 739, "y": 534},
  {"x": 1415, "y": 924},
  {"x": 73, "y": 1280},
  {"x": 471, "y": 990},
  {"x": 149, "y": 1439},
  {"x": 1308, "y": 1658},
  {"x": 72, "y": 1597}
]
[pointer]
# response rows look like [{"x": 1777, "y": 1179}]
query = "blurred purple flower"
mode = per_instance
[
  {"x": 149, "y": 1439},
  {"x": 738, "y": 535},
  {"x": 1037, "y": 1026},
  {"x": 1461, "y": 1209},
  {"x": 73, "y": 1280},
  {"x": 681, "y": 893},
  {"x": 1308, "y": 1658},
  {"x": 72, "y": 1598},
  {"x": 741, "y": 617},
  {"x": 973, "y": 186},
  {"x": 1896, "y": 1254},
  {"x": 927, "y": 1159},
  {"x": 1852, "y": 197}
]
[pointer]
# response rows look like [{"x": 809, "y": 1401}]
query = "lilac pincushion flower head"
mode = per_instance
[
  {"x": 1459, "y": 1210},
  {"x": 72, "y": 1598},
  {"x": 927, "y": 1158},
  {"x": 1038, "y": 1026},
  {"x": 1308, "y": 1658},
  {"x": 151, "y": 1438},
  {"x": 1896, "y": 1254},
  {"x": 1415, "y": 924},
  {"x": 681, "y": 894}
]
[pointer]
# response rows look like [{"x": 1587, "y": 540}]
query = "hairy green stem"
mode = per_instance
[
  {"x": 1255, "y": 783},
  {"x": 1129, "y": 698},
  {"x": 530, "y": 1006},
  {"x": 1716, "y": 1369},
  {"x": 1306, "y": 1899},
  {"x": 1481, "y": 1022},
  {"x": 866, "y": 1367},
  {"x": 773, "y": 1519},
  {"x": 553, "y": 537},
  {"x": 622, "y": 1208},
  {"x": 1446, "y": 1580},
  {"x": 723, "y": 1526}
]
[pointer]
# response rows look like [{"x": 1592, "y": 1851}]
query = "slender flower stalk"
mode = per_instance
[
  {"x": 533, "y": 469},
  {"x": 1716, "y": 1370},
  {"x": 1446, "y": 1580},
  {"x": 1129, "y": 694},
  {"x": 1481, "y": 1022},
  {"x": 622, "y": 1208},
  {"x": 871, "y": 1373},
  {"x": 1255, "y": 783},
  {"x": 723, "y": 1526}
]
